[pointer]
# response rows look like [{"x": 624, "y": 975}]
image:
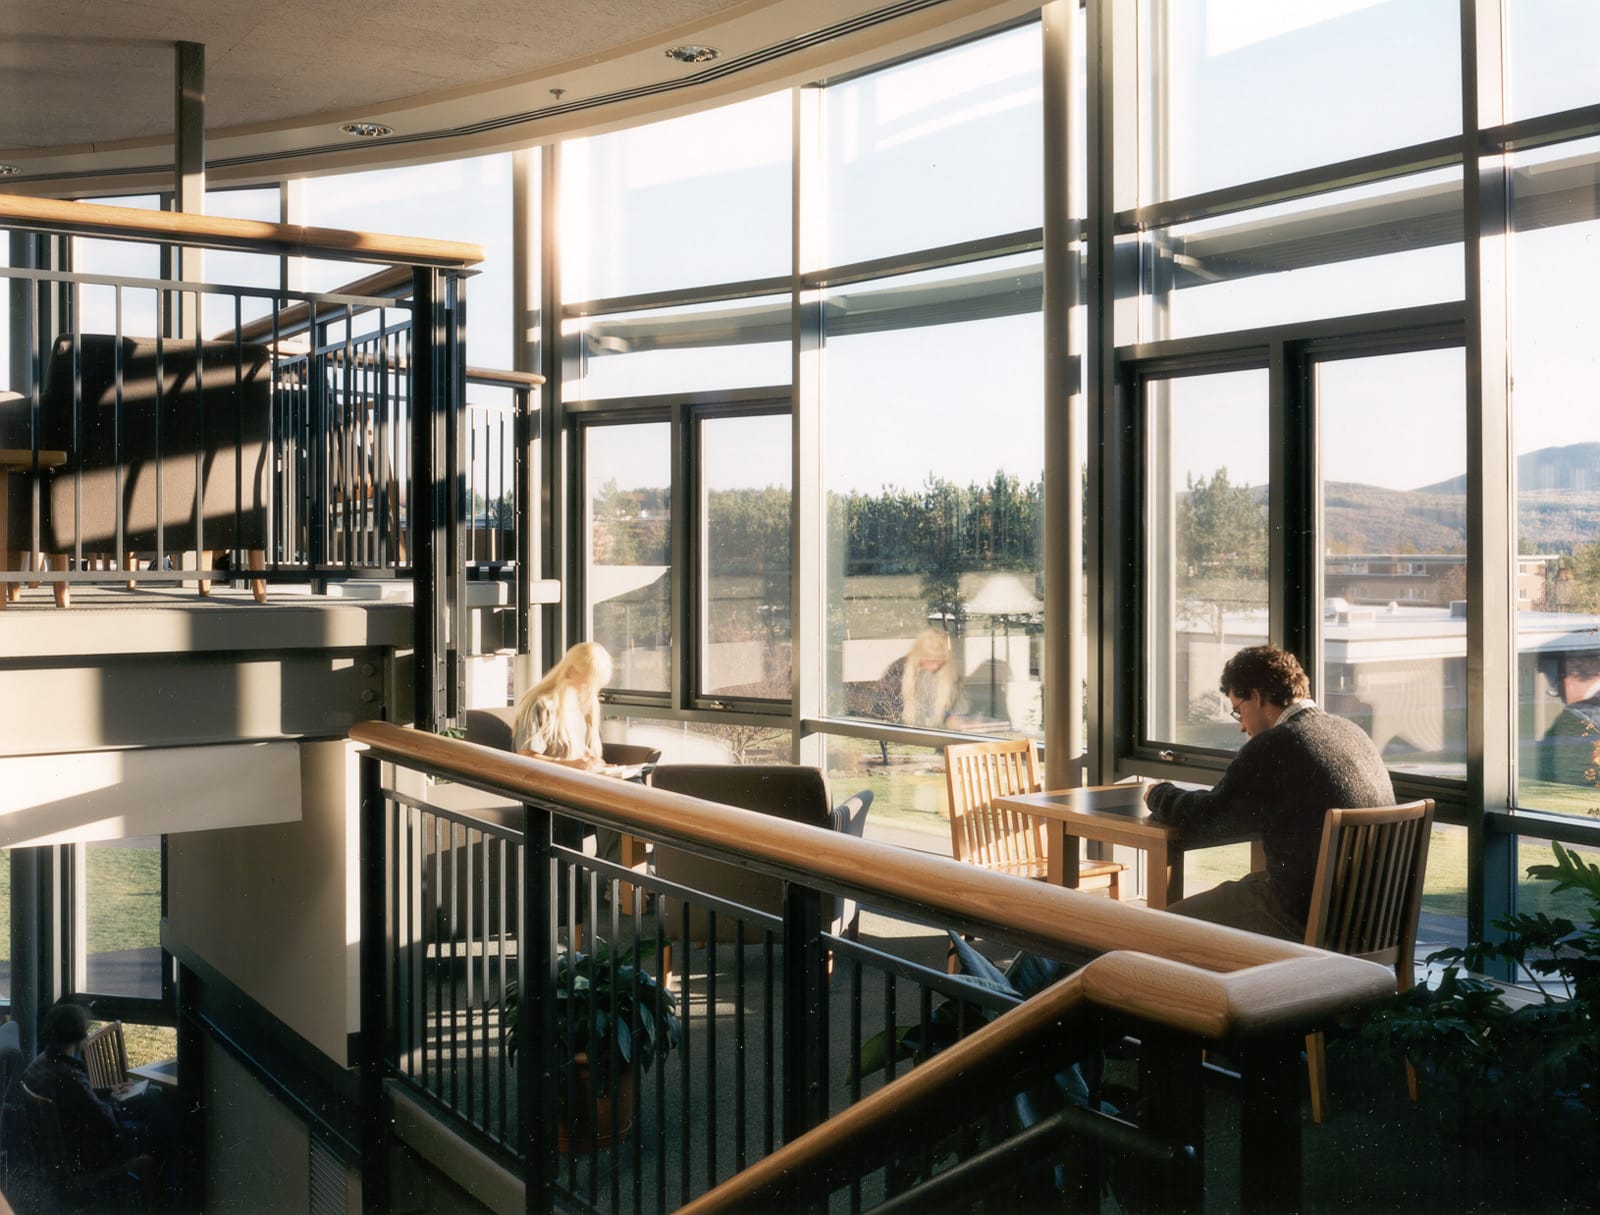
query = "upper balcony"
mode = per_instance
[{"x": 199, "y": 476}]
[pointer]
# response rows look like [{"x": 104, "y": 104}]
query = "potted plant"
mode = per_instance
[
  {"x": 1526, "y": 1068},
  {"x": 611, "y": 1016}
]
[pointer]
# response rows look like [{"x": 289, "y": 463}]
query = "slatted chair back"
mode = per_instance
[
  {"x": 105, "y": 1056},
  {"x": 982, "y": 833},
  {"x": 1366, "y": 902},
  {"x": 1367, "y": 899}
]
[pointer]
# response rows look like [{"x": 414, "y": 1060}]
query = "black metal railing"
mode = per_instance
[{"x": 785, "y": 1028}]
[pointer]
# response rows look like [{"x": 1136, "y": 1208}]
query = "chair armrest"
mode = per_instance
[{"x": 851, "y": 816}]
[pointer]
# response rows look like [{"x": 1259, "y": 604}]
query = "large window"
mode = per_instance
[
  {"x": 463, "y": 200},
  {"x": 1555, "y": 365},
  {"x": 1392, "y": 244},
  {"x": 1394, "y": 544},
  {"x": 746, "y": 505},
  {"x": 1205, "y": 569},
  {"x": 933, "y": 477},
  {"x": 627, "y": 473},
  {"x": 121, "y": 943},
  {"x": 937, "y": 151},
  {"x": 1239, "y": 90},
  {"x": 684, "y": 203}
]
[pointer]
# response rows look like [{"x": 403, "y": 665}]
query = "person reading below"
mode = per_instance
[
  {"x": 558, "y": 719},
  {"x": 100, "y": 1127},
  {"x": 1297, "y": 764}
]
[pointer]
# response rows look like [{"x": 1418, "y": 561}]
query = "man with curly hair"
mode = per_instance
[{"x": 1297, "y": 764}]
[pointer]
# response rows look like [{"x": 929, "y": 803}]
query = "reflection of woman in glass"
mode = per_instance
[
  {"x": 921, "y": 688},
  {"x": 558, "y": 719}
]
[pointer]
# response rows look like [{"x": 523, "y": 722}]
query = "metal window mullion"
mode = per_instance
[
  {"x": 1491, "y": 641},
  {"x": 812, "y": 656}
]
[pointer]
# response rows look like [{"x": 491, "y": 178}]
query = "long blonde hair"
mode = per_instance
[
  {"x": 931, "y": 645},
  {"x": 587, "y": 663}
]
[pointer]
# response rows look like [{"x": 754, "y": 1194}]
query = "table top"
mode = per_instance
[{"x": 1113, "y": 813}]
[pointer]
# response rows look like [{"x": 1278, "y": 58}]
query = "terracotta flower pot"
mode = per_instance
[{"x": 590, "y": 1126}]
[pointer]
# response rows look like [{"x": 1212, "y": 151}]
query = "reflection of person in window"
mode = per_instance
[
  {"x": 558, "y": 719},
  {"x": 921, "y": 687},
  {"x": 1568, "y": 754}
]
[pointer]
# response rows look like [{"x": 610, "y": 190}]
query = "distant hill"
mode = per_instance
[{"x": 1574, "y": 468}]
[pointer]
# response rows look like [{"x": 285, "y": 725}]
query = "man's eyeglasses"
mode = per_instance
[{"x": 1234, "y": 713}]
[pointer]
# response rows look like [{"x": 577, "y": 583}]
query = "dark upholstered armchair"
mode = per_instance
[
  {"x": 792, "y": 791},
  {"x": 141, "y": 423}
]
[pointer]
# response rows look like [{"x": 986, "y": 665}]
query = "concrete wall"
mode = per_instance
[{"x": 274, "y": 908}]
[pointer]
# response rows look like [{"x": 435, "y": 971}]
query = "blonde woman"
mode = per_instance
[
  {"x": 921, "y": 688},
  {"x": 558, "y": 719}
]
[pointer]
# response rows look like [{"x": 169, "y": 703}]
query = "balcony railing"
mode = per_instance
[
  {"x": 158, "y": 431},
  {"x": 876, "y": 1078}
]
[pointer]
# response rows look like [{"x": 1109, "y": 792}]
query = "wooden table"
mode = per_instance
[
  {"x": 1112, "y": 814},
  {"x": 16, "y": 459}
]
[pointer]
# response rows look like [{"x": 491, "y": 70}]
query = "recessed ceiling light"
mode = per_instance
[
  {"x": 10, "y": 170},
  {"x": 366, "y": 130},
  {"x": 689, "y": 53}
]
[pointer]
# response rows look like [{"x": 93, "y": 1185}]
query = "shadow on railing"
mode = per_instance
[{"x": 807, "y": 1069}]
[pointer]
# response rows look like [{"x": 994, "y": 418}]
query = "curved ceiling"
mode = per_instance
[{"x": 88, "y": 85}]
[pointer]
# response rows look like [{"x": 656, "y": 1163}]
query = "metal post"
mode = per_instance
[
  {"x": 805, "y": 1027},
  {"x": 26, "y": 954},
  {"x": 430, "y": 412},
  {"x": 1272, "y": 1076},
  {"x": 1172, "y": 1083},
  {"x": 188, "y": 174},
  {"x": 374, "y": 952},
  {"x": 537, "y": 1058}
]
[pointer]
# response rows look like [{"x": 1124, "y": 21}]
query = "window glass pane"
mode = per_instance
[
  {"x": 98, "y": 306},
  {"x": 1239, "y": 90},
  {"x": 1206, "y": 541},
  {"x": 693, "y": 742},
  {"x": 747, "y": 474},
  {"x": 122, "y": 910},
  {"x": 240, "y": 269},
  {"x": 733, "y": 344},
  {"x": 1554, "y": 255},
  {"x": 910, "y": 803},
  {"x": 1395, "y": 244},
  {"x": 682, "y": 203},
  {"x": 628, "y": 472},
  {"x": 943, "y": 149},
  {"x": 1550, "y": 56},
  {"x": 1394, "y": 517},
  {"x": 1536, "y": 895},
  {"x": 459, "y": 200},
  {"x": 933, "y": 515}
]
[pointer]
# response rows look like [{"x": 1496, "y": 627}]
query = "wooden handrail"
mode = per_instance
[
  {"x": 1206, "y": 980},
  {"x": 246, "y": 235},
  {"x": 1203, "y": 980}
]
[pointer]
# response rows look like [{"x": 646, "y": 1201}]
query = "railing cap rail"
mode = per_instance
[
  {"x": 1183, "y": 973},
  {"x": 217, "y": 232}
]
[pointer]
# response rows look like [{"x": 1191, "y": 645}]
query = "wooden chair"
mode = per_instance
[
  {"x": 49, "y": 1170},
  {"x": 1366, "y": 903},
  {"x": 105, "y": 1056},
  {"x": 983, "y": 834}
]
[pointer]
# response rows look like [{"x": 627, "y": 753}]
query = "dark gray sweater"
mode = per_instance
[{"x": 1280, "y": 786}]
